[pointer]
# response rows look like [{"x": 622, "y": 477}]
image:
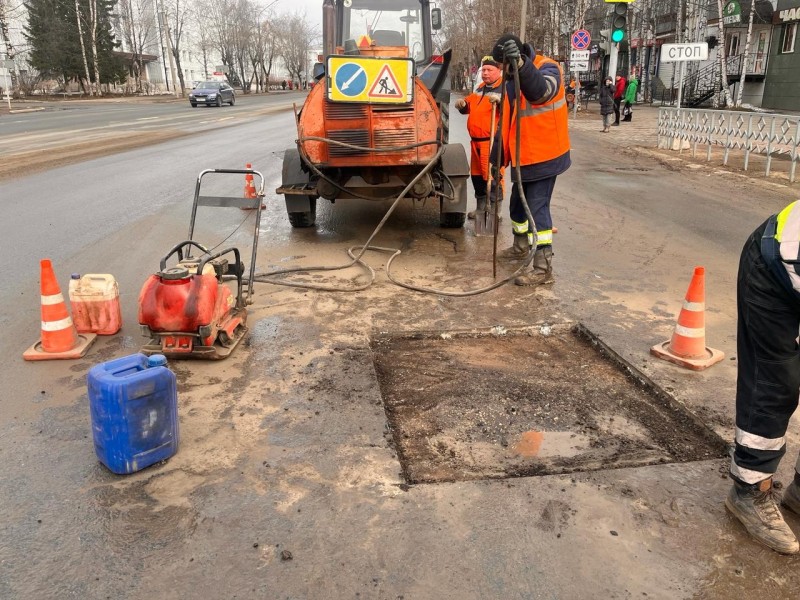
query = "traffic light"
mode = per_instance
[{"x": 619, "y": 21}]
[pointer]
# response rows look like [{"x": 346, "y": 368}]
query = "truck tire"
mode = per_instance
[
  {"x": 306, "y": 218},
  {"x": 302, "y": 209},
  {"x": 444, "y": 108}
]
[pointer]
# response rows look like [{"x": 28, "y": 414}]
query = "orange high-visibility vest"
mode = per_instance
[
  {"x": 479, "y": 126},
  {"x": 479, "y": 122},
  {"x": 543, "y": 127}
]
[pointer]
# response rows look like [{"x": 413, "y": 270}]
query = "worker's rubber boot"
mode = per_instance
[
  {"x": 518, "y": 250},
  {"x": 481, "y": 206},
  {"x": 542, "y": 272},
  {"x": 791, "y": 496},
  {"x": 757, "y": 509}
]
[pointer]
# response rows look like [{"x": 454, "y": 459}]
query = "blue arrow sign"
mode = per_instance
[{"x": 351, "y": 79}]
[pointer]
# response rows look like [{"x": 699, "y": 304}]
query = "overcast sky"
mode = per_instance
[{"x": 312, "y": 9}]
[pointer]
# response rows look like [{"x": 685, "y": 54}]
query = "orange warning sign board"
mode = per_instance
[
  {"x": 372, "y": 80},
  {"x": 385, "y": 85}
]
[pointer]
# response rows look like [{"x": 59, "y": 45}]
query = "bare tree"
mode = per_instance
[
  {"x": 6, "y": 13},
  {"x": 220, "y": 17},
  {"x": 201, "y": 27},
  {"x": 83, "y": 48},
  {"x": 229, "y": 32},
  {"x": 263, "y": 48},
  {"x": 296, "y": 38},
  {"x": 138, "y": 25},
  {"x": 722, "y": 58},
  {"x": 178, "y": 12},
  {"x": 93, "y": 40}
]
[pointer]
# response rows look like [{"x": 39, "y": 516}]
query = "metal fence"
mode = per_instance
[{"x": 773, "y": 136}]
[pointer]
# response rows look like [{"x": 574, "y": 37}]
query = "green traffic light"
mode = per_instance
[{"x": 617, "y": 35}]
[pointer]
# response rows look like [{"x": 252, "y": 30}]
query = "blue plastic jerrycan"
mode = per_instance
[{"x": 134, "y": 408}]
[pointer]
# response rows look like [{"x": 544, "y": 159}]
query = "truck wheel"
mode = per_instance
[
  {"x": 306, "y": 218},
  {"x": 445, "y": 111},
  {"x": 452, "y": 220}
]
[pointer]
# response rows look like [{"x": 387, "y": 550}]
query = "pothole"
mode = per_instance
[{"x": 541, "y": 401}]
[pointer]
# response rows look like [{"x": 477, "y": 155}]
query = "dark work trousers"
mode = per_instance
[
  {"x": 768, "y": 382},
  {"x": 538, "y": 194},
  {"x": 617, "y": 102},
  {"x": 479, "y": 183}
]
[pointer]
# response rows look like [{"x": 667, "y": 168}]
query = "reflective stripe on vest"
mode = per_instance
[
  {"x": 530, "y": 111},
  {"x": 787, "y": 235}
]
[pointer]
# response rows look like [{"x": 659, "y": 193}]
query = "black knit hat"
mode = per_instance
[{"x": 497, "y": 51}]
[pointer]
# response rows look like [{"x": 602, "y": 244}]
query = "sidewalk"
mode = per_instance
[{"x": 641, "y": 136}]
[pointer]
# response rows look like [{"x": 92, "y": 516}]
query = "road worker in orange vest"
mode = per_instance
[
  {"x": 544, "y": 150},
  {"x": 478, "y": 105}
]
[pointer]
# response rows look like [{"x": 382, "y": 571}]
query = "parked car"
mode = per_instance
[{"x": 212, "y": 92}]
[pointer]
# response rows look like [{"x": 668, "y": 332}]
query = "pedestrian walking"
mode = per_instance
[
  {"x": 768, "y": 380},
  {"x": 478, "y": 105},
  {"x": 543, "y": 147},
  {"x": 630, "y": 99},
  {"x": 619, "y": 93},
  {"x": 606, "y": 96}
]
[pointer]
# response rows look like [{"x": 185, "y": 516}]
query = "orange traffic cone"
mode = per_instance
[
  {"x": 687, "y": 347},
  {"x": 59, "y": 338},
  {"x": 250, "y": 191}
]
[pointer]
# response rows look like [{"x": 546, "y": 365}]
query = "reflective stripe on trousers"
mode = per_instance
[{"x": 538, "y": 194}]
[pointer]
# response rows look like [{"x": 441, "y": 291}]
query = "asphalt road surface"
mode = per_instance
[
  {"x": 58, "y": 133},
  {"x": 284, "y": 449}
]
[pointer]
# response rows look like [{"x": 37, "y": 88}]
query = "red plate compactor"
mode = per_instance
[{"x": 189, "y": 310}]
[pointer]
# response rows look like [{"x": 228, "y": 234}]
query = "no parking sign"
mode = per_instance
[{"x": 581, "y": 39}]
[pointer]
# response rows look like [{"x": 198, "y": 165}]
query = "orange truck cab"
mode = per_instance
[{"x": 378, "y": 114}]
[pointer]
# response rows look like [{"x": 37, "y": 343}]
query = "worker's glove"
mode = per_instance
[
  {"x": 493, "y": 98},
  {"x": 512, "y": 52},
  {"x": 461, "y": 104},
  {"x": 495, "y": 170}
]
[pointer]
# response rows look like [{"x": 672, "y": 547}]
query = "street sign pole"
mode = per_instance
[
  {"x": 612, "y": 61},
  {"x": 680, "y": 83},
  {"x": 682, "y": 53}
]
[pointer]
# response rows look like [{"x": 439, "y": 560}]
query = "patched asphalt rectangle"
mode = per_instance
[{"x": 544, "y": 400}]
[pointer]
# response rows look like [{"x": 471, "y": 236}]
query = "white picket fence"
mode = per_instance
[{"x": 773, "y": 136}]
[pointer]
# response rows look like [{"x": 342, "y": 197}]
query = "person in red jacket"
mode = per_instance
[
  {"x": 478, "y": 105},
  {"x": 619, "y": 94}
]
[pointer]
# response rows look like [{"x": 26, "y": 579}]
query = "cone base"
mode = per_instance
[
  {"x": 695, "y": 364},
  {"x": 36, "y": 352}
]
